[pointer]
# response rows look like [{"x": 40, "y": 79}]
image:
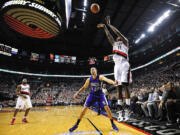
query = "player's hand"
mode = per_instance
[
  {"x": 107, "y": 18},
  {"x": 101, "y": 25},
  {"x": 114, "y": 83}
]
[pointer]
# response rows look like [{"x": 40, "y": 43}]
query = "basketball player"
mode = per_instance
[
  {"x": 96, "y": 94},
  {"x": 23, "y": 93},
  {"x": 122, "y": 72}
]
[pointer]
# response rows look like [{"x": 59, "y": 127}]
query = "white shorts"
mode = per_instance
[
  {"x": 23, "y": 103},
  {"x": 122, "y": 72}
]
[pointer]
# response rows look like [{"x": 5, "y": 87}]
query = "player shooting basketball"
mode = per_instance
[
  {"x": 96, "y": 95},
  {"x": 122, "y": 71}
]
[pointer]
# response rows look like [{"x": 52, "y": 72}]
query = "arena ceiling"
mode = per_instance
[{"x": 83, "y": 39}]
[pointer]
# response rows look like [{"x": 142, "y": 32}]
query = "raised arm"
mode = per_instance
[
  {"x": 108, "y": 34},
  {"x": 102, "y": 78},
  {"x": 116, "y": 31},
  {"x": 82, "y": 89}
]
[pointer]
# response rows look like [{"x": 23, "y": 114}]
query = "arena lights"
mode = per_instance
[
  {"x": 159, "y": 21},
  {"x": 153, "y": 26},
  {"x": 141, "y": 37},
  {"x": 83, "y": 76},
  {"x": 84, "y": 14}
]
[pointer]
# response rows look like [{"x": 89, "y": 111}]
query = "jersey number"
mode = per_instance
[{"x": 119, "y": 47}]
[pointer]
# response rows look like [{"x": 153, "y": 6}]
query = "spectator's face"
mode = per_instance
[
  {"x": 104, "y": 85},
  {"x": 177, "y": 84}
]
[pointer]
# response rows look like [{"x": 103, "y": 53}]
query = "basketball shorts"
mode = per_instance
[
  {"x": 23, "y": 103},
  {"x": 122, "y": 72},
  {"x": 92, "y": 98}
]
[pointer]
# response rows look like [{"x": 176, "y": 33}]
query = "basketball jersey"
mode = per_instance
[
  {"x": 120, "y": 50},
  {"x": 95, "y": 85},
  {"x": 25, "y": 89}
]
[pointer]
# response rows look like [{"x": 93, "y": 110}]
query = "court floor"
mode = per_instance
[{"x": 57, "y": 121}]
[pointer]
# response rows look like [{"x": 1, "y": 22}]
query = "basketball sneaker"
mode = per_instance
[
  {"x": 73, "y": 128},
  {"x": 24, "y": 120},
  {"x": 12, "y": 122}
]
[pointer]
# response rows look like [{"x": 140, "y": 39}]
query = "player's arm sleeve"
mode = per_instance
[
  {"x": 84, "y": 86},
  {"x": 109, "y": 36},
  {"x": 102, "y": 78}
]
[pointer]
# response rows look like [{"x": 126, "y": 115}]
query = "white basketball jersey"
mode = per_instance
[
  {"x": 25, "y": 89},
  {"x": 120, "y": 50}
]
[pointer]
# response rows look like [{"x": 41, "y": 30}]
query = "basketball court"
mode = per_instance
[{"x": 57, "y": 121}]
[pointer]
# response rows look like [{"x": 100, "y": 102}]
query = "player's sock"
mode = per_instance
[
  {"x": 128, "y": 101},
  {"x": 127, "y": 109},
  {"x": 120, "y": 102},
  {"x": 75, "y": 126}
]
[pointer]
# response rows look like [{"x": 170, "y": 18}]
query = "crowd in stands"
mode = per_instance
[{"x": 154, "y": 95}]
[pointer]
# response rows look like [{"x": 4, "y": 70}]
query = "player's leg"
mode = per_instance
[
  {"x": 108, "y": 111},
  {"x": 125, "y": 78},
  {"x": 19, "y": 105},
  {"x": 78, "y": 120},
  {"x": 104, "y": 104},
  {"x": 28, "y": 105},
  {"x": 89, "y": 101},
  {"x": 117, "y": 76}
]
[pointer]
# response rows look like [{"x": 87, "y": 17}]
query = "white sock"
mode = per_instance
[
  {"x": 14, "y": 117},
  {"x": 120, "y": 102},
  {"x": 25, "y": 117},
  {"x": 128, "y": 101}
]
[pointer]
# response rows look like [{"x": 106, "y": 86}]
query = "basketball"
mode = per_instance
[{"x": 95, "y": 8}]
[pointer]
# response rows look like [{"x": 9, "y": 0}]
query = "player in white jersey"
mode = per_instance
[
  {"x": 23, "y": 101},
  {"x": 122, "y": 71}
]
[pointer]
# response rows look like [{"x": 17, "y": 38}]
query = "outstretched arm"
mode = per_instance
[
  {"x": 82, "y": 89},
  {"x": 102, "y": 78},
  {"x": 116, "y": 31},
  {"x": 109, "y": 36}
]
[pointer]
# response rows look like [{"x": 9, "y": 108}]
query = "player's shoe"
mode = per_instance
[
  {"x": 25, "y": 120},
  {"x": 73, "y": 128},
  {"x": 114, "y": 127},
  {"x": 12, "y": 122}
]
